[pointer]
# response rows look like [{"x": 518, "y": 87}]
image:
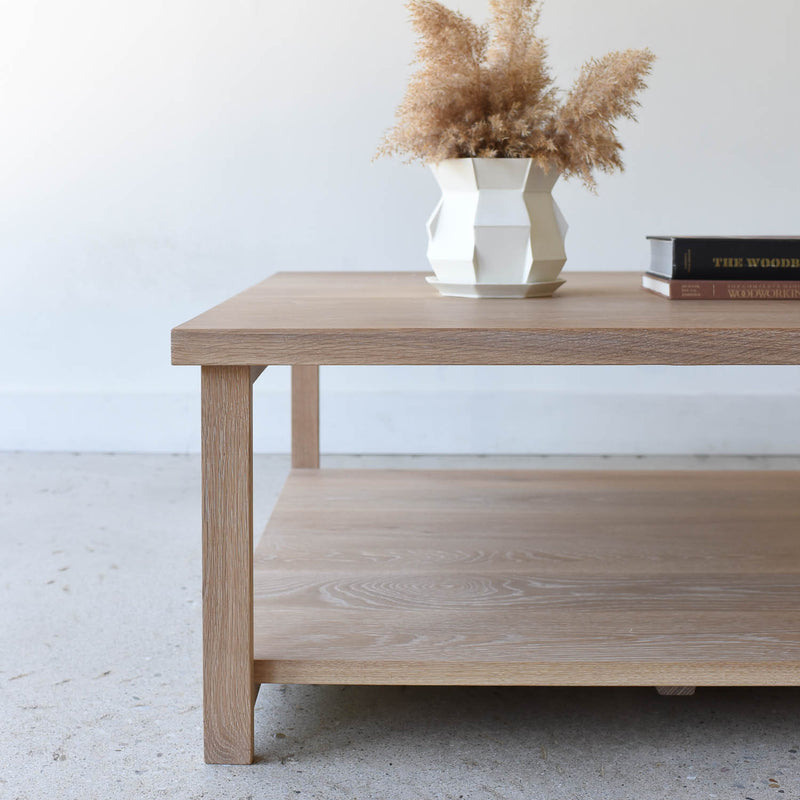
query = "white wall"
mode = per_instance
[{"x": 157, "y": 156}]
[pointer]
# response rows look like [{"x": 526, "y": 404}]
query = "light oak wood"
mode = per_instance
[
  {"x": 305, "y": 416},
  {"x": 517, "y": 577},
  {"x": 522, "y": 673},
  {"x": 397, "y": 318},
  {"x": 227, "y": 456},
  {"x": 672, "y": 580}
]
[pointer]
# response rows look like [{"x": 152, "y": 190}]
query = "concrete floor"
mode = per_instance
[{"x": 100, "y": 675}]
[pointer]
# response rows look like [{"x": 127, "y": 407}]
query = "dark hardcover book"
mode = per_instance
[
  {"x": 721, "y": 290},
  {"x": 770, "y": 258}
]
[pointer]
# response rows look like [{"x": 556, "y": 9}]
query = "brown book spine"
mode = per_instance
[{"x": 733, "y": 290}]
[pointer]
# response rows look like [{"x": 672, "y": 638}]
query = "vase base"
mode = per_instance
[{"x": 496, "y": 290}]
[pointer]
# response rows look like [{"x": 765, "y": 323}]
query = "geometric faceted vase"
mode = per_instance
[{"x": 496, "y": 232}]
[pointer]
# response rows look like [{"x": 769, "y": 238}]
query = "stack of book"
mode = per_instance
[{"x": 724, "y": 267}]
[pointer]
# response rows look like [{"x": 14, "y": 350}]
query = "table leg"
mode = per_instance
[
  {"x": 227, "y": 448},
  {"x": 305, "y": 416}
]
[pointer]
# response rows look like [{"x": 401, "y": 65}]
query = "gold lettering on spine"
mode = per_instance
[
  {"x": 772, "y": 263},
  {"x": 740, "y": 262},
  {"x": 728, "y": 263}
]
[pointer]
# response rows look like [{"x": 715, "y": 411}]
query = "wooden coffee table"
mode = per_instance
[{"x": 668, "y": 578}]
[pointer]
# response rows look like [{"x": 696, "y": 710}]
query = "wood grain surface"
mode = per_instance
[
  {"x": 397, "y": 318},
  {"x": 305, "y": 417},
  {"x": 227, "y": 456},
  {"x": 576, "y": 578}
]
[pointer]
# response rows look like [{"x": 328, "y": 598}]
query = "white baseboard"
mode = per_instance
[{"x": 492, "y": 422}]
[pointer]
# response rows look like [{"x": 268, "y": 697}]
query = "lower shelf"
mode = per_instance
[{"x": 531, "y": 578}]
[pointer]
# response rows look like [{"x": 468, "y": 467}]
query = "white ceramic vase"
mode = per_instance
[{"x": 496, "y": 232}]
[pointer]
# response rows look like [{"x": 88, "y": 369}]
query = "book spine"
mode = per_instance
[
  {"x": 733, "y": 290},
  {"x": 762, "y": 259}
]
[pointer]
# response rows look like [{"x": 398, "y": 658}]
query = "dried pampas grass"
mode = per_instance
[{"x": 486, "y": 91}]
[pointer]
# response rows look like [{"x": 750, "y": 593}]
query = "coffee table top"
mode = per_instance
[{"x": 397, "y": 318}]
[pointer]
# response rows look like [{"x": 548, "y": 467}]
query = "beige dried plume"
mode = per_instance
[{"x": 487, "y": 91}]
